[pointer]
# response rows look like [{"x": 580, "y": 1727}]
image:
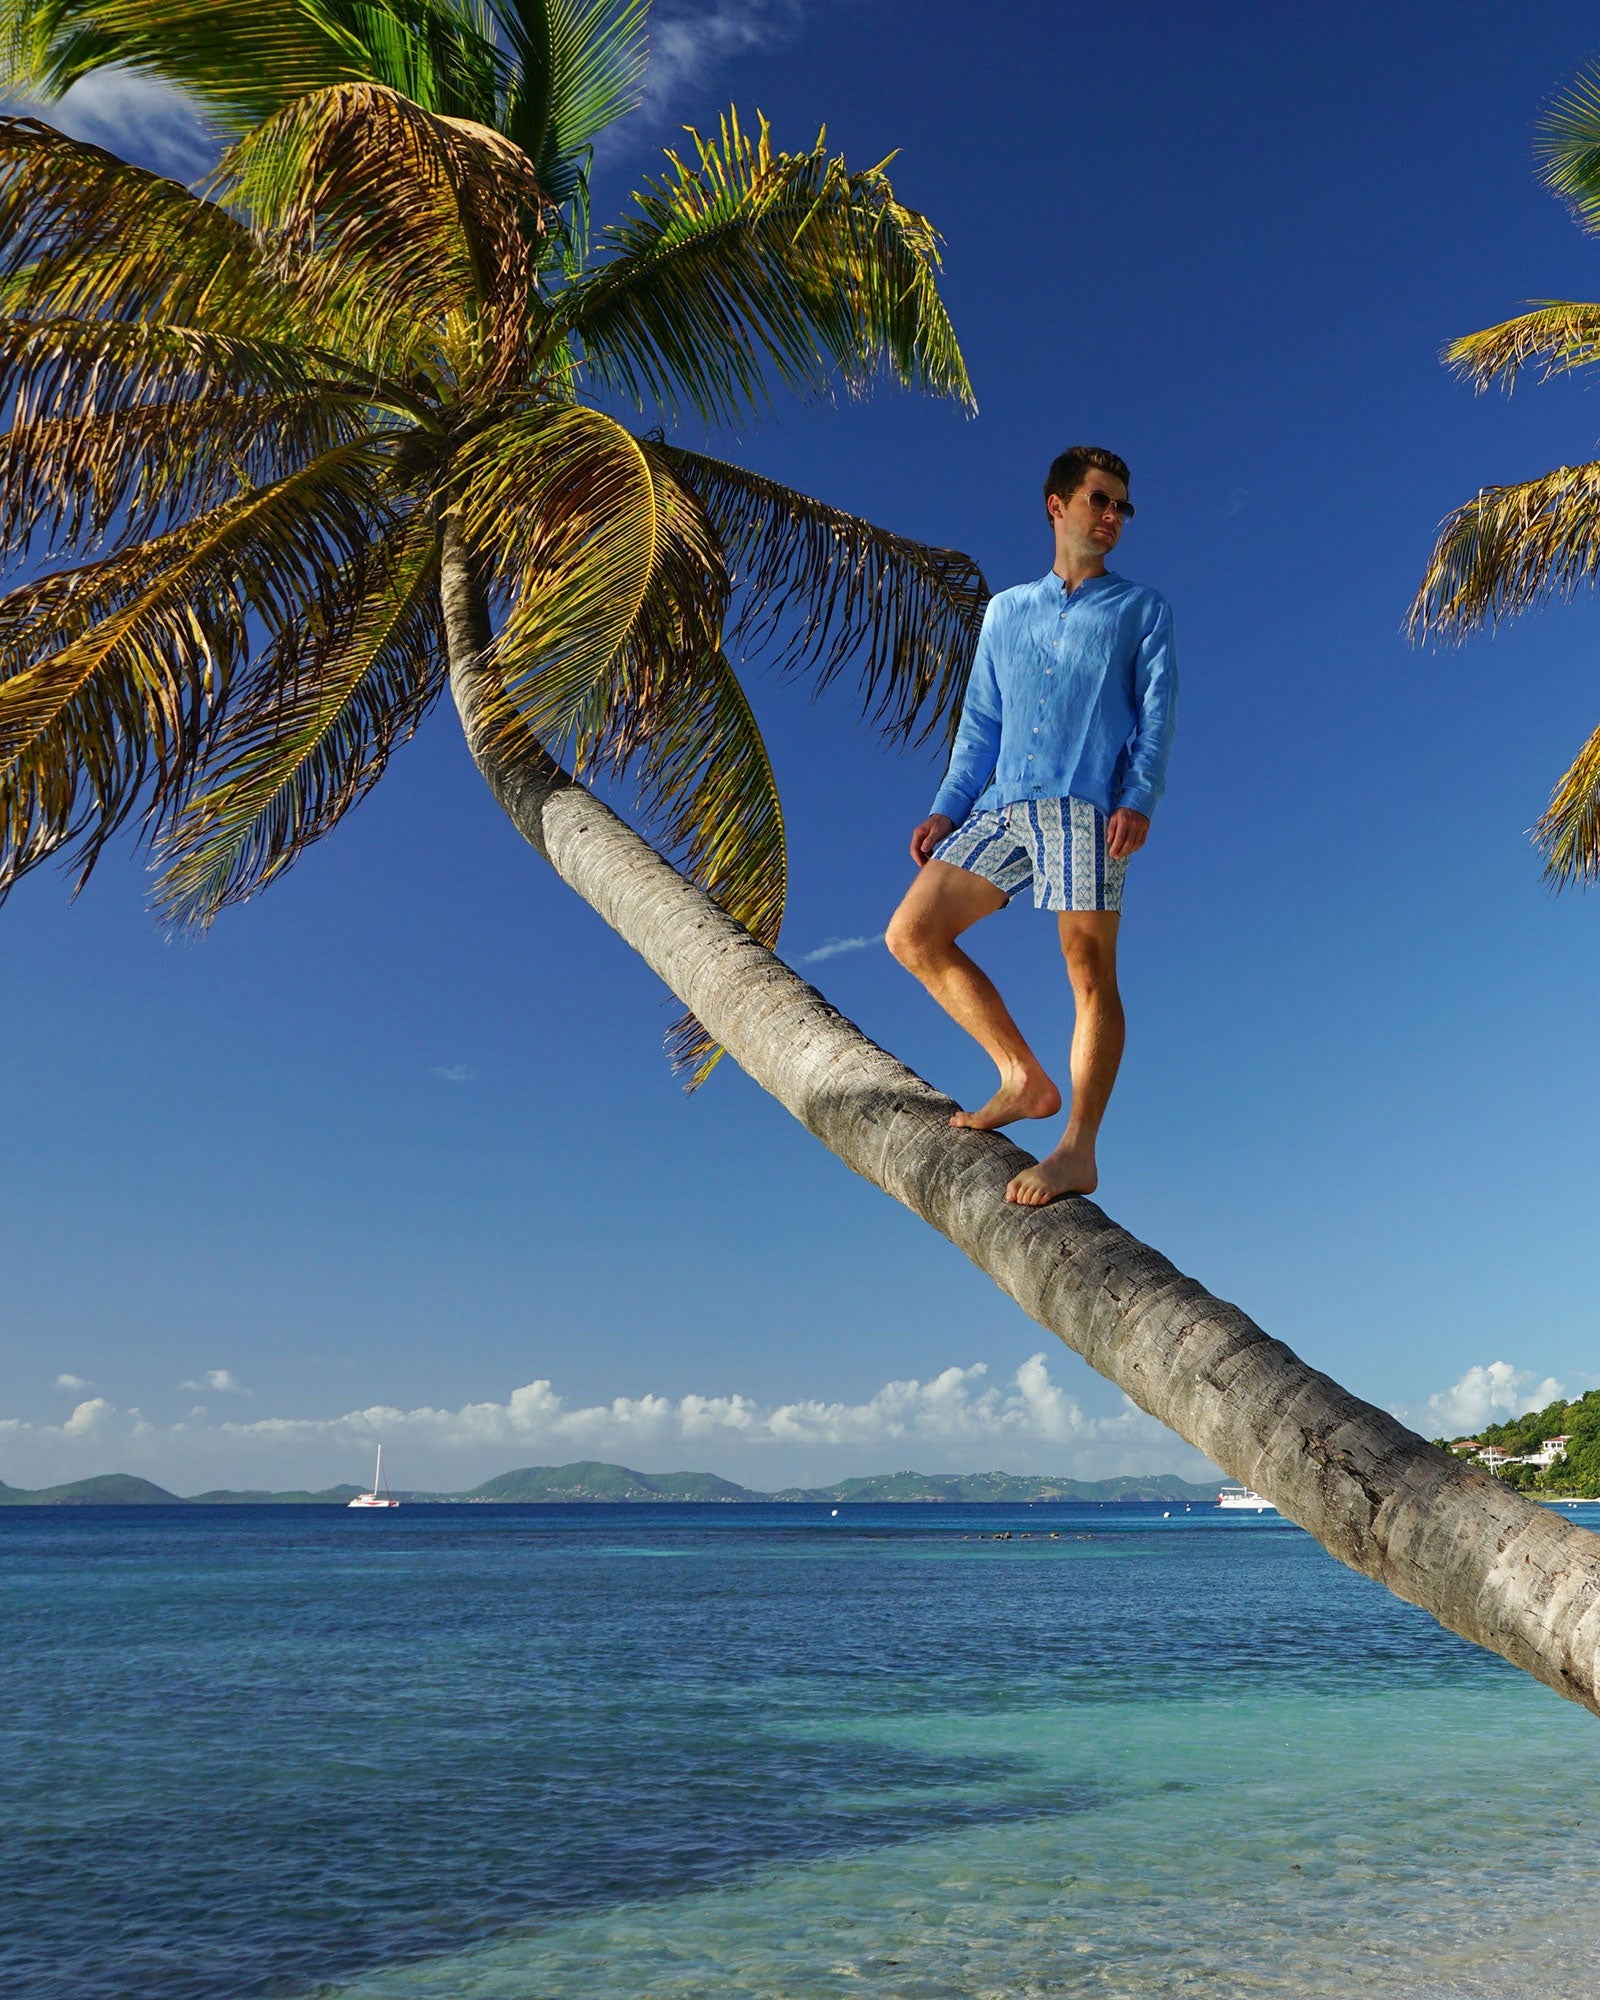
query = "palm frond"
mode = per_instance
[
  {"x": 578, "y": 69},
  {"x": 559, "y": 505},
  {"x": 417, "y": 229},
  {"x": 1508, "y": 548},
  {"x": 244, "y": 60},
  {"x": 748, "y": 262},
  {"x": 116, "y": 478},
  {"x": 108, "y": 673},
  {"x": 1568, "y": 145},
  {"x": 312, "y": 731},
  {"x": 84, "y": 234},
  {"x": 710, "y": 796},
  {"x": 1569, "y": 829},
  {"x": 822, "y": 588},
  {"x": 1556, "y": 333}
]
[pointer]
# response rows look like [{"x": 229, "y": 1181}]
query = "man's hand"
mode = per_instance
[
  {"x": 927, "y": 837},
  {"x": 1126, "y": 833}
]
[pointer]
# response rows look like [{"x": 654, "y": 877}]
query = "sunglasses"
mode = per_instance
[{"x": 1099, "y": 502}]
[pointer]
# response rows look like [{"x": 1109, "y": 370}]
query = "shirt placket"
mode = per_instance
[{"x": 1049, "y": 672}]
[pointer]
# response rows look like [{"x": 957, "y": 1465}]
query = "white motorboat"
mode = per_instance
[
  {"x": 380, "y": 1496},
  {"x": 1241, "y": 1499}
]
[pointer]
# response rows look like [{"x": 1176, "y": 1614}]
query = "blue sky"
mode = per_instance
[{"x": 399, "y": 1140}]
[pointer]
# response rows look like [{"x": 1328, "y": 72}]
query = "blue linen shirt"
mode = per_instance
[{"x": 1073, "y": 694}]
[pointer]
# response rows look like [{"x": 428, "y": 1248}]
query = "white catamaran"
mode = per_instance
[{"x": 380, "y": 1496}]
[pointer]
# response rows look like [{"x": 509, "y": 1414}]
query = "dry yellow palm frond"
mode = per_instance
[
  {"x": 412, "y": 230},
  {"x": 120, "y": 476},
  {"x": 108, "y": 675},
  {"x": 1509, "y": 547},
  {"x": 1569, "y": 828},
  {"x": 310, "y": 733},
  {"x": 85, "y": 234},
  {"x": 821, "y": 590},
  {"x": 1556, "y": 333},
  {"x": 749, "y": 264}
]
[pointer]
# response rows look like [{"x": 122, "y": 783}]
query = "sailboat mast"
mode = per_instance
[{"x": 377, "y": 1477}]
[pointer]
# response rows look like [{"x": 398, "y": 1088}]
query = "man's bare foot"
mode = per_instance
[
  {"x": 1068, "y": 1170},
  {"x": 1032, "y": 1095}
]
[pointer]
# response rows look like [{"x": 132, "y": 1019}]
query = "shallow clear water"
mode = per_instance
[{"x": 747, "y": 1753}]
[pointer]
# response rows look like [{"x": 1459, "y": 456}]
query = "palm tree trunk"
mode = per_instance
[{"x": 1481, "y": 1558}]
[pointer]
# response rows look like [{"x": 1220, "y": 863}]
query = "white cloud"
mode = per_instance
[
  {"x": 134, "y": 116},
  {"x": 688, "y": 42},
  {"x": 454, "y": 1072},
  {"x": 954, "y": 1420},
  {"x": 222, "y": 1380},
  {"x": 832, "y": 947},
  {"x": 1484, "y": 1395},
  {"x": 71, "y": 1382}
]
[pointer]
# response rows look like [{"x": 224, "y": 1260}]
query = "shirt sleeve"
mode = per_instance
[
  {"x": 977, "y": 744},
  {"x": 1155, "y": 702}
]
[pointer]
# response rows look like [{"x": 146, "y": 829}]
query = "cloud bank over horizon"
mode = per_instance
[
  {"x": 1490, "y": 1394},
  {"x": 953, "y": 1421}
]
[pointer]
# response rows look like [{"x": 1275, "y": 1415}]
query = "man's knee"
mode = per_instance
[
  {"x": 1091, "y": 957},
  {"x": 909, "y": 939}
]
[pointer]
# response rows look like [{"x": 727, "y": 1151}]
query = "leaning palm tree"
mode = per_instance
[
  {"x": 328, "y": 424},
  {"x": 1511, "y": 547},
  {"x": 354, "y": 391}
]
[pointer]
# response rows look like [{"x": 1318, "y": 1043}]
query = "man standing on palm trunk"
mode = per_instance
[{"x": 1058, "y": 763}]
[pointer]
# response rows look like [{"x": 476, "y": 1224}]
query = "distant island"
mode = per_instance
[{"x": 590, "y": 1479}]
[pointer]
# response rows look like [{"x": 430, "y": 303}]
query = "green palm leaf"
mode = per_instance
[
  {"x": 246, "y": 59},
  {"x": 578, "y": 67},
  {"x": 749, "y": 264},
  {"x": 560, "y": 504},
  {"x": 1569, "y": 147}
]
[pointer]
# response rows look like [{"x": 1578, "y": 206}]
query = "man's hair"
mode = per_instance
[{"x": 1068, "y": 472}]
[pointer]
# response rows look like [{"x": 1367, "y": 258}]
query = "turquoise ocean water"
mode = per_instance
[{"x": 764, "y": 1753}]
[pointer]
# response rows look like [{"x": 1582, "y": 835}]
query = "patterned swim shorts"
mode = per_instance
[{"x": 1059, "y": 845}]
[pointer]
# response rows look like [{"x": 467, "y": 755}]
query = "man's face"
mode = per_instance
[{"x": 1087, "y": 523}]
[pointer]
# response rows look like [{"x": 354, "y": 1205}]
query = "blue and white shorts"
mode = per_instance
[{"x": 1059, "y": 845}]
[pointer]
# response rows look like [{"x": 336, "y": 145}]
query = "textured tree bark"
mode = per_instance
[{"x": 1491, "y": 1565}]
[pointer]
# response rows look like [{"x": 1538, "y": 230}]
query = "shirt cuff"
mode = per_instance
[
  {"x": 954, "y": 805},
  {"x": 1138, "y": 799}
]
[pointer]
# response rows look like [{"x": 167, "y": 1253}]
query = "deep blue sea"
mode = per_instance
[{"x": 764, "y": 1753}]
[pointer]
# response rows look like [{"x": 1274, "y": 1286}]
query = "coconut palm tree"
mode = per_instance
[
  {"x": 1511, "y": 547},
  {"x": 360, "y": 377},
  {"x": 326, "y": 426}
]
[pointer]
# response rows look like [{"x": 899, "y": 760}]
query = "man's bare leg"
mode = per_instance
[
  {"x": 1089, "y": 944},
  {"x": 941, "y": 903}
]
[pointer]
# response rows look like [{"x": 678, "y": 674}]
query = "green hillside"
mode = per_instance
[
  {"x": 593, "y": 1479},
  {"x": 589, "y": 1479},
  {"x": 223, "y": 1496},
  {"x": 1579, "y": 1421},
  {"x": 106, "y": 1489},
  {"x": 1012, "y": 1487}
]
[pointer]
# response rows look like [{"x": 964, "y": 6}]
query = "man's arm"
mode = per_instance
[
  {"x": 1155, "y": 700},
  {"x": 977, "y": 743}
]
